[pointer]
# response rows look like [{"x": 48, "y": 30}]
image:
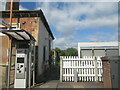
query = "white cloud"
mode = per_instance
[
  {"x": 66, "y": 18},
  {"x": 22, "y": 8},
  {"x": 64, "y": 43},
  {"x": 2, "y": 5},
  {"x": 103, "y": 37}
]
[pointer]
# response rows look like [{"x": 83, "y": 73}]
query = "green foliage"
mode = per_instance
[
  {"x": 71, "y": 52},
  {"x": 67, "y": 52},
  {"x": 57, "y": 50}
]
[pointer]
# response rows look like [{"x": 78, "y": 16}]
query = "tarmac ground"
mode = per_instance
[{"x": 54, "y": 82}]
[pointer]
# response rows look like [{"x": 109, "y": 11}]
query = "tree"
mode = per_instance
[
  {"x": 67, "y": 52},
  {"x": 58, "y": 50},
  {"x": 71, "y": 52}
]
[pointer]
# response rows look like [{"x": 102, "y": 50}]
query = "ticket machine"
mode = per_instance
[{"x": 21, "y": 68}]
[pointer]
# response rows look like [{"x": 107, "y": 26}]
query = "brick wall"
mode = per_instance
[
  {"x": 3, "y": 58},
  {"x": 3, "y": 50},
  {"x": 29, "y": 24},
  {"x": 106, "y": 73}
]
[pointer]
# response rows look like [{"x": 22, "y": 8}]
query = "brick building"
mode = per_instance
[{"x": 34, "y": 22}]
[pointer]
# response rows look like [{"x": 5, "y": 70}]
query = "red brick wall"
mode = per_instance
[
  {"x": 29, "y": 24},
  {"x": 3, "y": 52},
  {"x": 4, "y": 46},
  {"x": 106, "y": 74}
]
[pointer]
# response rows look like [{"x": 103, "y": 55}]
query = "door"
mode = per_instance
[{"x": 114, "y": 73}]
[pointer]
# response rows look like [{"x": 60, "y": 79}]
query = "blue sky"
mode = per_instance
[{"x": 73, "y": 22}]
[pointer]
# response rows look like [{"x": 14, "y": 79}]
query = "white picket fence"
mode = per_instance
[{"x": 87, "y": 68}]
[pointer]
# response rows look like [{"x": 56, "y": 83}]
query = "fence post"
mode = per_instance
[
  {"x": 61, "y": 66},
  {"x": 96, "y": 70},
  {"x": 75, "y": 75}
]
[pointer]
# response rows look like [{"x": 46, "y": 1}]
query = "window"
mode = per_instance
[
  {"x": 112, "y": 52},
  {"x": 44, "y": 51}
]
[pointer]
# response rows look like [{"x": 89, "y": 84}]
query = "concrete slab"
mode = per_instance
[
  {"x": 77, "y": 85},
  {"x": 58, "y": 84},
  {"x": 54, "y": 82},
  {"x": 64, "y": 85},
  {"x": 87, "y": 85},
  {"x": 49, "y": 84}
]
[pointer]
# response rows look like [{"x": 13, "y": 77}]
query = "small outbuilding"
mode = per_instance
[{"x": 34, "y": 22}]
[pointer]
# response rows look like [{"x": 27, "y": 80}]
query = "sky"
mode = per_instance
[{"x": 73, "y": 22}]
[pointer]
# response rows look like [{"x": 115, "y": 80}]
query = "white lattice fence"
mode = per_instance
[{"x": 88, "y": 68}]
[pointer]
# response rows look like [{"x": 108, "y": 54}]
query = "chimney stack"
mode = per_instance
[{"x": 15, "y": 4}]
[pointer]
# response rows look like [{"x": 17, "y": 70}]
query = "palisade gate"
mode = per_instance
[{"x": 86, "y": 69}]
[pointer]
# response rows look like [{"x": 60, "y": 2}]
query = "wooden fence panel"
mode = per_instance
[{"x": 89, "y": 69}]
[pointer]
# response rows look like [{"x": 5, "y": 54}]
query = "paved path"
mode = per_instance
[
  {"x": 57, "y": 84},
  {"x": 53, "y": 82}
]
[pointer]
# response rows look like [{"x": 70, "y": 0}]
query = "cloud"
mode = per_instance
[
  {"x": 67, "y": 17},
  {"x": 2, "y": 5},
  {"x": 103, "y": 37},
  {"x": 22, "y": 8},
  {"x": 64, "y": 43}
]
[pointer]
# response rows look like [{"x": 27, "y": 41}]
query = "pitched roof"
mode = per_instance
[{"x": 27, "y": 13}]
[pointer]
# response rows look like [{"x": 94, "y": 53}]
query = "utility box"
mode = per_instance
[
  {"x": 111, "y": 72},
  {"x": 21, "y": 68},
  {"x": 115, "y": 74}
]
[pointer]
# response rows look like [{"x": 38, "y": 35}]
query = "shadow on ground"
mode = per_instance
[
  {"x": 53, "y": 73},
  {"x": 52, "y": 81}
]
